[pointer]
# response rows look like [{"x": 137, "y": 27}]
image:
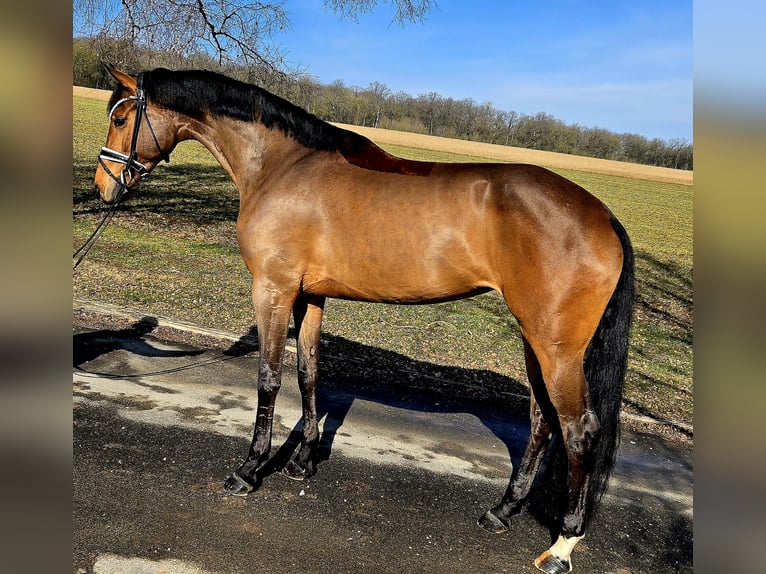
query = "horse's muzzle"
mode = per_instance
[{"x": 109, "y": 191}]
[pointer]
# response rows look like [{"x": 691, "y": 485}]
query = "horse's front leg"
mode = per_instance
[
  {"x": 497, "y": 520},
  {"x": 308, "y": 324},
  {"x": 272, "y": 306}
]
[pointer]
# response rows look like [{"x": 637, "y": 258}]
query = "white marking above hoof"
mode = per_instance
[{"x": 557, "y": 559}]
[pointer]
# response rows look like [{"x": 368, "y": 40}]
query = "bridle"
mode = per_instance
[{"x": 133, "y": 167}]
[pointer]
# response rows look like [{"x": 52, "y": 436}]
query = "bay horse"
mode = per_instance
[{"x": 325, "y": 212}]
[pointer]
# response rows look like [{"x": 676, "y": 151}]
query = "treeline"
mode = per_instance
[{"x": 378, "y": 106}]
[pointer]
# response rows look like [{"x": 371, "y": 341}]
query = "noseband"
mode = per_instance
[{"x": 133, "y": 167}]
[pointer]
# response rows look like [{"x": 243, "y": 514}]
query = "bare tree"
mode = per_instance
[
  {"x": 676, "y": 149},
  {"x": 377, "y": 95},
  {"x": 427, "y": 109},
  {"x": 233, "y": 30},
  {"x": 406, "y": 10},
  {"x": 509, "y": 121}
]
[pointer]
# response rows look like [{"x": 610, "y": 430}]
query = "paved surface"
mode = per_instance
[{"x": 158, "y": 425}]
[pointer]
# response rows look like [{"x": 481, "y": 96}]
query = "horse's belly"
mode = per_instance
[
  {"x": 404, "y": 281},
  {"x": 390, "y": 293}
]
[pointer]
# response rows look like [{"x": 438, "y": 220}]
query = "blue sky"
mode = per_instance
[{"x": 621, "y": 65}]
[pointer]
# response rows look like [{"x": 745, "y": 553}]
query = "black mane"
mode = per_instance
[{"x": 198, "y": 92}]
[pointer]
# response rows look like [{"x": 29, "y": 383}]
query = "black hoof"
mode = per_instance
[
  {"x": 236, "y": 485},
  {"x": 296, "y": 471},
  {"x": 549, "y": 564},
  {"x": 492, "y": 523}
]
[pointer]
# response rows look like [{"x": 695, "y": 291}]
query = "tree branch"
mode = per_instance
[{"x": 232, "y": 30}]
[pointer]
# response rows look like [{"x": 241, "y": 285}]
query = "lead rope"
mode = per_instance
[{"x": 83, "y": 250}]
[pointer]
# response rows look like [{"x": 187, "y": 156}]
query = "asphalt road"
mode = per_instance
[{"x": 158, "y": 425}]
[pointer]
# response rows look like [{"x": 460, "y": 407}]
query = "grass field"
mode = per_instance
[{"x": 171, "y": 250}]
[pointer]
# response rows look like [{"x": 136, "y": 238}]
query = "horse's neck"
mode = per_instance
[{"x": 240, "y": 147}]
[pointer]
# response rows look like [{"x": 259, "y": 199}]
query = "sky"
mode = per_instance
[{"x": 625, "y": 66}]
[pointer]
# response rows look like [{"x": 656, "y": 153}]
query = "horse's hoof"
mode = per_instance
[
  {"x": 549, "y": 564},
  {"x": 236, "y": 485},
  {"x": 295, "y": 471},
  {"x": 492, "y": 523}
]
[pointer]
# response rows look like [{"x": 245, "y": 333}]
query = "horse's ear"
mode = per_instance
[{"x": 125, "y": 80}]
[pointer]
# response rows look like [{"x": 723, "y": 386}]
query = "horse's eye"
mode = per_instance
[{"x": 119, "y": 121}]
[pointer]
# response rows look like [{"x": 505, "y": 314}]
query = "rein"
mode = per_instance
[{"x": 133, "y": 167}]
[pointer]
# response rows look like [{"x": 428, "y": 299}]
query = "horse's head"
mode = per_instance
[{"x": 140, "y": 136}]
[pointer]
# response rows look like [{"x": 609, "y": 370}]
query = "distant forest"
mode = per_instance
[{"x": 377, "y": 106}]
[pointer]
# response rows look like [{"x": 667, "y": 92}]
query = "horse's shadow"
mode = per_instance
[
  {"x": 92, "y": 344},
  {"x": 351, "y": 371}
]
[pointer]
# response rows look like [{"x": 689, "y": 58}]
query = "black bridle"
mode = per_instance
[{"x": 133, "y": 167}]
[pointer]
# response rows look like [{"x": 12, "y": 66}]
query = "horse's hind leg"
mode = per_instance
[
  {"x": 497, "y": 519},
  {"x": 565, "y": 381},
  {"x": 308, "y": 324},
  {"x": 272, "y": 312}
]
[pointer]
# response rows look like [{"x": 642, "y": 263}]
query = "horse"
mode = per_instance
[{"x": 324, "y": 212}]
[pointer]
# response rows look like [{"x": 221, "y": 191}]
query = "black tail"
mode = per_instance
[{"x": 606, "y": 364}]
